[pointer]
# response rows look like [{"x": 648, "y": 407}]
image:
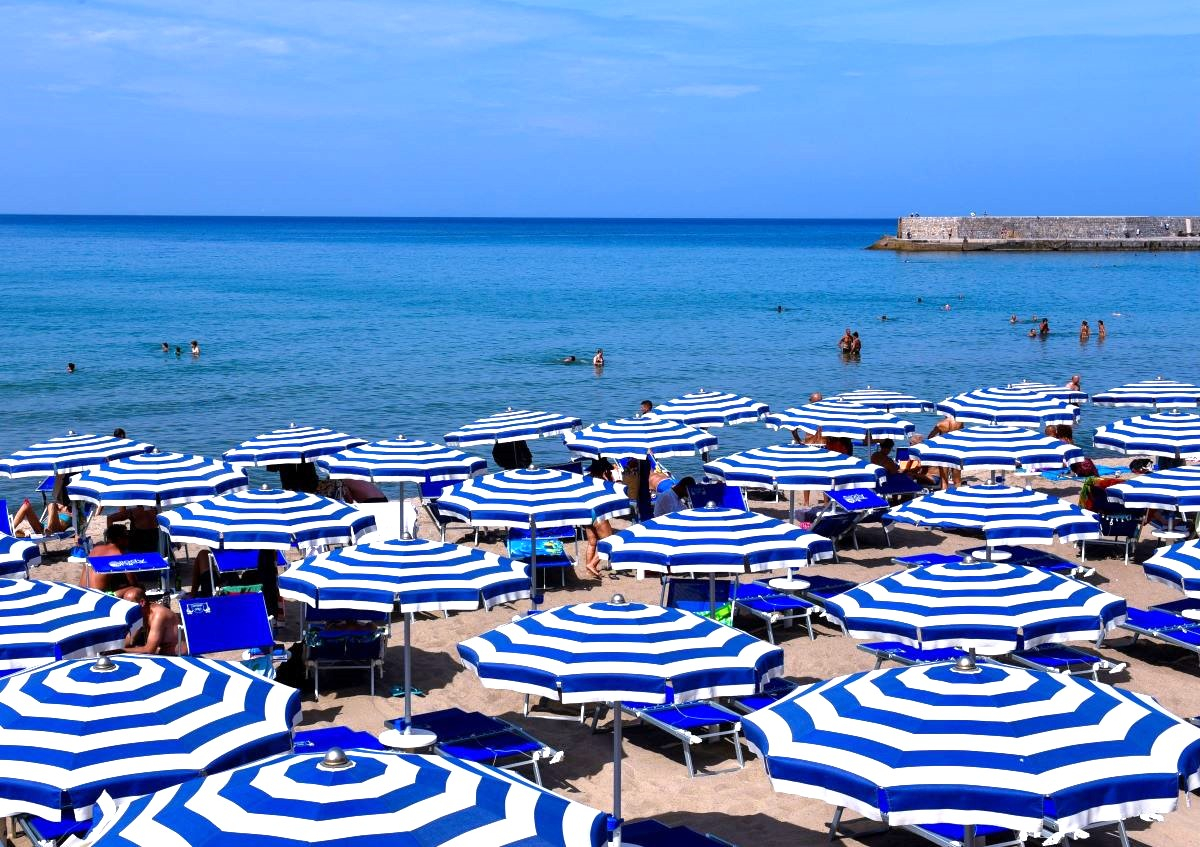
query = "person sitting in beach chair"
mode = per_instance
[
  {"x": 116, "y": 544},
  {"x": 159, "y": 632},
  {"x": 143, "y": 527},
  {"x": 55, "y": 519},
  {"x": 238, "y": 571}
]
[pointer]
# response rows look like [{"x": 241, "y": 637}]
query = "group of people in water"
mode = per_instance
[
  {"x": 850, "y": 344},
  {"x": 1043, "y": 328}
]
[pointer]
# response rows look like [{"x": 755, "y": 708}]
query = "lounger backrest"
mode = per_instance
[
  {"x": 857, "y": 500},
  {"x": 6, "y": 526},
  {"x": 692, "y": 594},
  {"x": 228, "y": 622},
  {"x": 703, "y": 493}
]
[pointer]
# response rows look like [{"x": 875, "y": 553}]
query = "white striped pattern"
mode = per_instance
[
  {"x": 1176, "y": 565},
  {"x": 382, "y": 799},
  {"x": 1011, "y": 406},
  {"x": 269, "y": 519},
  {"x": 1155, "y": 393},
  {"x": 290, "y": 445},
  {"x": 601, "y": 652},
  {"x": 70, "y": 732},
  {"x": 1161, "y": 434},
  {"x": 1002, "y": 747},
  {"x": 44, "y": 621},
  {"x": 511, "y": 425},
  {"x": 996, "y": 448},
  {"x": 1055, "y": 392},
  {"x": 886, "y": 401},
  {"x": 156, "y": 479},
  {"x": 711, "y": 409},
  {"x": 1172, "y": 489},
  {"x": 795, "y": 467},
  {"x": 634, "y": 438},
  {"x": 840, "y": 419},
  {"x": 1005, "y": 515},
  {"x": 551, "y": 498},
  {"x": 17, "y": 556},
  {"x": 991, "y": 607},
  {"x": 402, "y": 460},
  {"x": 70, "y": 453},
  {"x": 713, "y": 541}
]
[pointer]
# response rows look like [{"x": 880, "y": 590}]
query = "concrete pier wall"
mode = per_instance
[{"x": 989, "y": 227}]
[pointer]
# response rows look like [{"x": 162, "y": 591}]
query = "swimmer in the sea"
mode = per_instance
[
  {"x": 1033, "y": 333},
  {"x": 1012, "y": 319},
  {"x": 779, "y": 309},
  {"x": 569, "y": 360},
  {"x": 598, "y": 359},
  {"x": 166, "y": 348},
  {"x": 946, "y": 307}
]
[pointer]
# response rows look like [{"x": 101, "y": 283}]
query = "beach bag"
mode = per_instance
[{"x": 723, "y": 616}]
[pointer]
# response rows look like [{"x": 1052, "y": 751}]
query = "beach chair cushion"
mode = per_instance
[
  {"x": 1154, "y": 620},
  {"x": 771, "y": 693},
  {"x": 1179, "y": 607},
  {"x": 906, "y": 654},
  {"x": 324, "y": 739},
  {"x": 686, "y": 717},
  {"x": 919, "y": 560},
  {"x": 46, "y": 832},
  {"x": 821, "y": 588},
  {"x": 763, "y": 598}
]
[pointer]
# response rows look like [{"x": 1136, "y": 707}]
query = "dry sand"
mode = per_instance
[{"x": 738, "y": 806}]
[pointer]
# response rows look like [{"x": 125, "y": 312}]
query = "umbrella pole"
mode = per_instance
[
  {"x": 533, "y": 586},
  {"x": 792, "y": 505},
  {"x": 617, "y": 730},
  {"x": 712, "y": 595},
  {"x": 402, "y": 508},
  {"x": 408, "y": 616}
]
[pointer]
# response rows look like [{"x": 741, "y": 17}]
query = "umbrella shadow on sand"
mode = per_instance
[{"x": 757, "y": 828}]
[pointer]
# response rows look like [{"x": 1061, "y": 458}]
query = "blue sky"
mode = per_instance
[{"x": 791, "y": 108}]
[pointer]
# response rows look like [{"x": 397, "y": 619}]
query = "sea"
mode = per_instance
[{"x": 378, "y": 327}]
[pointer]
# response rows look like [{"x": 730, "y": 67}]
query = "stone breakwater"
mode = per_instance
[{"x": 986, "y": 232}]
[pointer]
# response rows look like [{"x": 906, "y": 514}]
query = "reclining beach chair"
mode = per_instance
[
  {"x": 551, "y": 552},
  {"x": 771, "y": 606},
  {"x": 7, "y": 528},
  {"x": 430, "y": 491},
  {"x": 1043, "y": 560},
  {"x": 718, "y": 493},
  {"x": 862, "y": 504},
  {"x": 231, "y": 622},
  {"x": 45, "y": 833},
  {"x": 906, "y": 654},
  {"x": 690, "y": 723},
  {"x": 771, "y": 693},
  {"x": 898, "y": 487},
  {"x": 1059, "y": 658},
  {"x": 1119, "y": 527},
  {"x": 137, "y": 563},
  {"x": 653, "y": 833},
  {"x": 344, "y": 640},
  {"x": 324, "y": 739},
  {"x": 920, "y": 560},
  {"x": 1167, "y": 627},
  {"x": 477, "y": 737},
  {"x": 821, "y": 588},
  {"x": 698, "y": 596},
  {"x": 236, "y": 571}
]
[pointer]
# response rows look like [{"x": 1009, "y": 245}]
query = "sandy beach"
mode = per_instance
[{"x": 739, "y": 806}]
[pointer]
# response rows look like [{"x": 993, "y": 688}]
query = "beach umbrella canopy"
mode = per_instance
[
  {"x": 840, "y": 419},
  {"x": 1154, "y": 393},
  {"x": 1056, "y": 392},
  {"x": 511, "y": 425},
  {"x": 1003, "y": 514},
  {"x": 1169, "y": 434},
  {"x": 1012, "y": 406},
  {"x": 544, "y": 497},
  {"x": 289, "y": 446},
  {"x": 987, "y": 746},
  {"x": 712, "y": 408},
  {"x": 713, "y": 541},
  {"x": 996, "y": 448},
  {"x": 992, "y": 607},
  {"x": 69, "y": 454},
  {"x": 1175, "y": 489},
  {"x": 886, "y": 401},
  {"x": 1176, "y": 565},
  {"x": 267, "y": 519},
  {"x": 635, "y": 438},
  {"x": 795, "y": 467},
  {"x": 340, "y": 797},
  {"x": 17, "y": 555},
  {"x": 127, "y": 726},
  {"x": 44, "y": 621},
  {"x": 402, "y": 460},
  {"x": 156, "y": 479}
]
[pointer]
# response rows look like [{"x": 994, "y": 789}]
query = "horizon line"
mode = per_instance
[{"x": 149, "y": 215}]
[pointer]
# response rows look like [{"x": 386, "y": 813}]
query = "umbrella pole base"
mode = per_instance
[{"x": 413, "y": 739}]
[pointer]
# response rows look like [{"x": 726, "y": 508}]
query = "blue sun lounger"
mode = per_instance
[
  {"x": 771, "y": 606},
  {"x": 821, "y": 588},
  {"x": 920, "y": 560},
  {"x": 771, "y": 693},
  {"x": 692, "y": 722},
  {"x": 551, "y": 550},
  {"x": 1167, "y": 627},
  {"x": 324, "y": 739},
  {"x": 1059, "y": 658},
  {"x": 477, "y": 737},
  {"x": 906, "y": 654},
  {"x": 653, "y": 833},
  {"x": 44, "y": 833},
  {"x": 232, "y": 622},
  {"x": 329, "y": 643}
]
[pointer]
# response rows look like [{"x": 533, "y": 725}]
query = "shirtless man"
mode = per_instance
[
  {"x": 950, "y": 476},
  {"x": 1074, "y": 383},
  {"x": 883, "y": 456},
  {"x": 159, "y": 633},
  {"x": 116, "y": 545}
]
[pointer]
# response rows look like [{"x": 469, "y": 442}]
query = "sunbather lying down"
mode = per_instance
[{"x": 58, "y": 519}]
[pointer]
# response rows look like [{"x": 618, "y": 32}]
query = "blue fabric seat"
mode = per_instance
[
  {"x": 771, "y": 693},
  {"x": 697, "y": 595},
  {"x": 46, "y": 833},
  {"x": 1059, "y": 658},
  {"x": 691, "y": 723},
  {"x": 551, "y": 552},
  {"x": 653, "y": 833},
  {"x": 821, "y": 588},
  {"x": 324, "y": 739},
  {"x": 477, "y": 737},
  {"x": 920, "y": 560},
  {"x": 329, "y": 642},
  {"x": 763, "y": 601},
  {"x": 1164, "y": 626},
  {"x": 906, "y": 654},
  {"x": 229, "y": 622}
]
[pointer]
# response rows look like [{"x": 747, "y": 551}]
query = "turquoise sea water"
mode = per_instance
[{"x": 379, "y": 327}]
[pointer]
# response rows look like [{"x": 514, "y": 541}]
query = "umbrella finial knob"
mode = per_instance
[
  {"x": 618, "y": 599},
  {"x": 710, "y": 505},
  {"x": 335, "y": 760},
  {"x": 265, "y": 487},
  {"x": 292, "y": 425},
  {"x": 104, "y": 664},
  {"x": 966, "y": 664}
]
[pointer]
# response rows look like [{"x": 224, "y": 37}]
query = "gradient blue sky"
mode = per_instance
[{"x": 788, "y": 108}]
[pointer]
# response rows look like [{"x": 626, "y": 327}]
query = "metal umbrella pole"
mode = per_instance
[{"x": 533, "y": 586}]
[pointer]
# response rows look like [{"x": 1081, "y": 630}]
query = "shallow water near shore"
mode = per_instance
[{"x": 379, "y": 327}]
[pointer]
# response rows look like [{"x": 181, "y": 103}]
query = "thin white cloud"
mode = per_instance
[{"x": 722, "y": 91}]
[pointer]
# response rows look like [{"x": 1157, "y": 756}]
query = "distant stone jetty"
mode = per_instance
[{"x": 985, "y": 232}]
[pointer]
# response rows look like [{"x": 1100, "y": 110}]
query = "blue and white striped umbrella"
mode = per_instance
[
  {"x": 886, "y": 401},
  {"x": 1162, "y": 434},
  {"x": 839, "y": 419},
  {"x": 1177, "y": 565},
  {"x": 1055, "y": 392},
  {"x": 634, "y": 438},
  {"x": 1002, "y": 746},
  {"x": 991, "y": 607},
  {"x": 996, "y": 448},
  {"x": 68, "y": 454},
  {"x": 44, "y": 621},
  {"x": 511, "y": 425},
  {"x": 795, "y": 467},
  {"x": 712, "y": 408},
  {"x": 713, "y": 541},
  {"x": 1012, "y": 406},
  {"x": 402, "y": 460},
  {"x": 336, "y": 799},
  {"x": 1175, "y": 489},
  {"x": 548, "y": 498},
  {"x": 17, "y": 555},
  {"x": 290, "y": 445},
  {"x": 269, "y": 519},
  {"x": 411, "y": 575},
  {"x": 1005, "y": 515},
  {"x": 74, "y": 730},
  {"x": 156, "y": 479},
  {"x": 1157, "y": 393}
]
